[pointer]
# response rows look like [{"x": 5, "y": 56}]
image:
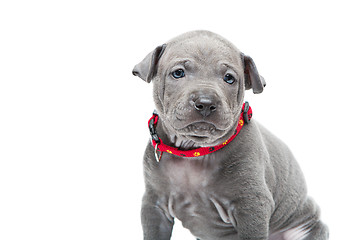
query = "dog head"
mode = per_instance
[{"x": 199, "y": 83}]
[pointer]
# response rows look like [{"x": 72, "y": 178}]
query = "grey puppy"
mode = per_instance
[{"x": 252, "y": 188}]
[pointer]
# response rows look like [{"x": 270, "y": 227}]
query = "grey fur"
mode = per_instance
[{"x": 253, "y": 188}]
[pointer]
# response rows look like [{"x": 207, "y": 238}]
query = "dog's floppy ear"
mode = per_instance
[
  {"x": 147, "y": 68},
  {"x": 252, "y": 77}
]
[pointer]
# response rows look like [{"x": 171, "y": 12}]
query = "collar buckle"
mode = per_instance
[
  {"x": 245, "y": 112},
  {"x": 153, "y": 132}
]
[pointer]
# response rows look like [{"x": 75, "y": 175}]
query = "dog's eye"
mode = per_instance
[
  {"x": 178, "y": 73},
  {"x": 229, "y": 78}
]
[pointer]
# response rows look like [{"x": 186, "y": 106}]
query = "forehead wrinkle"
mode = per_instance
[
  {"x": 202, "y": 54},
  {"x": 178, "y": 61},
  {"x": 226, "y": 65},
  {"x": 199, "y": 50},
  {"x": 187, "y": 63}
]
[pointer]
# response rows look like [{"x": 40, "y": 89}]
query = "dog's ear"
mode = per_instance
[
  {"x": 147, "y": 68},
  {"x": 252, "y": 77}
]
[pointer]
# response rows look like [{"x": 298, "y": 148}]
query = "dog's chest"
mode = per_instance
[
  {"x": 188, "y": 174},
  {"x": 194, "y": 197}
]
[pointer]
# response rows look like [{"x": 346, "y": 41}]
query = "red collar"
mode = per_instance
[{"x": 158, "y": 144}]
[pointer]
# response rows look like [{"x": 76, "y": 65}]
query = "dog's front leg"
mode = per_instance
[
  {"x": 252, "y": 217},
  {"x": 156, "y": 225}
]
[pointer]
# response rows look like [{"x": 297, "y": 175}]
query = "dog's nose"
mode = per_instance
[{"x": 205, "y": 104}]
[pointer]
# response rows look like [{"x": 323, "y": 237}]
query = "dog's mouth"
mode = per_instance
[
  {"x": 196, "y": 138},
  {"x": 201, "y": 131},
  {"x": 199, "y": 128}
]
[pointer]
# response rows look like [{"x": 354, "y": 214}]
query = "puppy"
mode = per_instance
[{"x": 223, "y": 175}]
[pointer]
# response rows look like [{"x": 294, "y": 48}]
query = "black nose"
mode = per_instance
[{"x": 205, "y": 104}]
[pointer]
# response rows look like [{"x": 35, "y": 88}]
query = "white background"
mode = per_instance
[{"x": 73, "y": 118}]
